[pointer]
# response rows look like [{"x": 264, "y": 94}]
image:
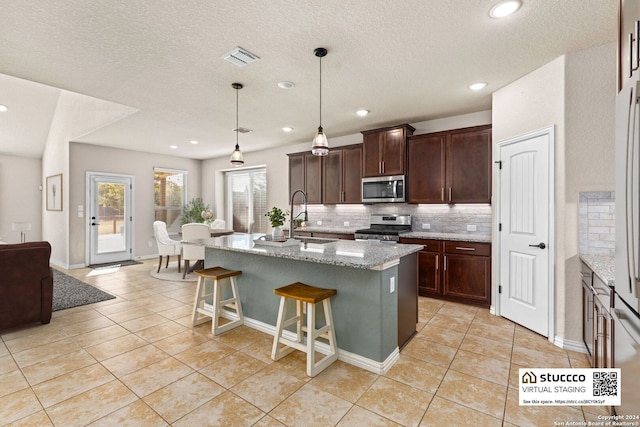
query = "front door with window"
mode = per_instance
[{"x": 109, "y": 218}]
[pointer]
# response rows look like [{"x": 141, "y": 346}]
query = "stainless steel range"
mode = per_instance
[{"x": 385, "y": 227}]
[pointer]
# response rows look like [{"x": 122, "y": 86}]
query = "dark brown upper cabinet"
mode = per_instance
[
  {"x": 384, "y": 150},
  {"x": 450, "y": 167},
  {"x": 342, "y": 175},
  {"x": 305, "y": 173}
]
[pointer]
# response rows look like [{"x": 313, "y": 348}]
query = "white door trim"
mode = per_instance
[
  {"x": 550, "y": 131},
  {"x": 87, "y": 211}
]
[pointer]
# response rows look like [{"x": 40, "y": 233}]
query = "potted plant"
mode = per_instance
[
  {"x": 277, "y": 217},
  {"x": 197, "y": 211}
]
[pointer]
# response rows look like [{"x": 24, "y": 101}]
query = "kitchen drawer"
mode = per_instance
[
  {"x": 467, "y": 248},
  {"x": 430, "y": 245}
]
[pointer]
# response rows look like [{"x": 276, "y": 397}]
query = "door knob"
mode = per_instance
[
  {"x": 95, "y": 223},
  {"x": 539, "y": 245}
]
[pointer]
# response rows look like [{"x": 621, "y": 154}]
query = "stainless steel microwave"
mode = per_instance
[{"x": 383, "y": 189}]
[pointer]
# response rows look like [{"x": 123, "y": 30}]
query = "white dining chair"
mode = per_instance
[
  {"x": 193, "y": 231},
  {"x": 166, "y": 246}
]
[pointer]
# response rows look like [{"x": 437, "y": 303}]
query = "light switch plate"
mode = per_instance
[
  {"x": 318, "y": 222},
  {"x": 392, "y": 285},
  {"x": 346, "y": 223},
  {"x": 472, "y": 227},
  {"x": 426, "y": 226}
]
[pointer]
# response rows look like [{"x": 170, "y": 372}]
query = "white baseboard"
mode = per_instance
[
  {"x": 577, "y": 346},
  {"x": 343, "y": 355}
]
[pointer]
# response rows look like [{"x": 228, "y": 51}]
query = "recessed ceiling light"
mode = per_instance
[
  {"x": 173, "y": 147},
  {"x": 3, "y": 108},
  {"x": 477, "y": 85},
  {"x": 194, "y": 142},
  {"x": 286, "y": 85},
  {"x": 362, "y": 112},
  {"x": 287, "y": 129},
  {"x": 505, "y": 8}
]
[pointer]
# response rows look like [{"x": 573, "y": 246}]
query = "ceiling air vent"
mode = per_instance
[{"x": 240, "y": 57}]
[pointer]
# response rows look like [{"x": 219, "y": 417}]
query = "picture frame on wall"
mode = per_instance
[{"x": 54, "y": 192}]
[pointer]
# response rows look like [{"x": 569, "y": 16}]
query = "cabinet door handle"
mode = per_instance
[
  {"x": 380, "y": 167},
  {"x": 445, "y": 263},
  {"x": 450, "y": 194},
  {"x": 437, "y": 259},
  {"x": 630, "y": 54},
  {"x": 442, "y": 197},
  {"x": 383, "y": 166},
  {"x": 460, "y": 248}
]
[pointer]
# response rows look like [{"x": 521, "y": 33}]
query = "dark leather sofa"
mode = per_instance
[{"x": 26, "y": 284}]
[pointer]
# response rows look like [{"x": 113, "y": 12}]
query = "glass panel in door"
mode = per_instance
[{"x": 110, "y": 219}]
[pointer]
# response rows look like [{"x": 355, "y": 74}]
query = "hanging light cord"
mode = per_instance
[
  {"x": 321, "y": 91},
  {"x": 237, "y": 146}
]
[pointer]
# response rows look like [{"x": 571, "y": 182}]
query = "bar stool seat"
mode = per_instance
[
  {"x": 202, "y": 313},
  {"x": 307, "y": 297}
]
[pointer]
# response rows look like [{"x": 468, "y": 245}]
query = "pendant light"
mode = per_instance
[
  {"x": 320, "y": 146},
  {"x": 237, "y": 159}
]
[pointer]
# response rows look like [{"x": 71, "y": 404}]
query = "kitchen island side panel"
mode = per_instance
[{"x": 365, "y": 313}]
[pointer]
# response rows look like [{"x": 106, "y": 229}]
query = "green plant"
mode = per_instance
[
  {"x": 193, "y": 212},
  {"x": 276, "y": 216}
]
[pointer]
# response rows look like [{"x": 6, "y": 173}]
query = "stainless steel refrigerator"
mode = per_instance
[{"x": 626, "y": 302}]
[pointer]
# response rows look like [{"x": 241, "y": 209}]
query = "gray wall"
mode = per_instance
[{"x": 84, "y": 157}]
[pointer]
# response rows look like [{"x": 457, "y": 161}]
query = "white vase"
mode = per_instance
[{"x": 277, "y": 233}]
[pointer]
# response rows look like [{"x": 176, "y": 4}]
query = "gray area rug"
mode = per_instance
[{"x": 70, "y": 292}]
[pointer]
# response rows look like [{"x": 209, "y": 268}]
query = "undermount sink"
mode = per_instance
[{"x": 315, "y": 240}]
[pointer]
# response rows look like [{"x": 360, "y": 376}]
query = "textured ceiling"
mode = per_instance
[{"x": 406, "y": 61}]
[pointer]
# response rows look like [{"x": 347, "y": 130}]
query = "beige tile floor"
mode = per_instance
[{"x": 136, "y": 361}]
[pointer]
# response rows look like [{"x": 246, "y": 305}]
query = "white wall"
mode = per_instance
[
  {"x": 575, "y": 93},
  {"x": 20, "y": 197},
  {"x": 93, "y": 158},
  {"x": 589, "y": 156}
]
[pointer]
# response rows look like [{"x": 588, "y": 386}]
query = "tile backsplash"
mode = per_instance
[
  {"x": 597, "y": 223},
  {"x": 441, "y": 218}
]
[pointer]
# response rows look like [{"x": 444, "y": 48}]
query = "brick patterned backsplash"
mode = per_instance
[
  {"x": 597, "y": 223},
  {"x": 441, "y": 218}
]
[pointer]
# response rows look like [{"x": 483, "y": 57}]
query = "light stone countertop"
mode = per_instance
[
  {"x": 604, "y": 266},
  {"x": 348, "y": 253},
  {"x": 465, "y": 237}
]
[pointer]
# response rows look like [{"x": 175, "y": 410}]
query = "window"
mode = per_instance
[
  {"x": 170, "y": 195},
  {"x": 246, "y": 200}
]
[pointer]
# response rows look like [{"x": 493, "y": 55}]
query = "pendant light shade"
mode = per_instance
[
  {"x": 237, "y": 159},
  {"x": 320, "y": 145}
]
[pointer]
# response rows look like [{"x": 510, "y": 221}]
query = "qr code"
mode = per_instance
[{"x": 605, "y": 383}]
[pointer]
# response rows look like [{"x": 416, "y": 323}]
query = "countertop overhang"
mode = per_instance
[{"x": 348, "y": 253}]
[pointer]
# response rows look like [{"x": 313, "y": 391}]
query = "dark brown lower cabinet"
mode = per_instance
[{"x": 454, "y": 270}]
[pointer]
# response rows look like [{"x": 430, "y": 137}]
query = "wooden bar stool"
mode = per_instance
[
  {"x": 306, "y": 297},
  {"x": 217, "y": 274}
]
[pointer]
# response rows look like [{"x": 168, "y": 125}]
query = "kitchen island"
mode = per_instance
[{"x": 375, "y": 310}]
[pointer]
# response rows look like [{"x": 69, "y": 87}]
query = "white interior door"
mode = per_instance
[
  {"x": 109, "y": 220},
  {"x": 525, "y": 215}
]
